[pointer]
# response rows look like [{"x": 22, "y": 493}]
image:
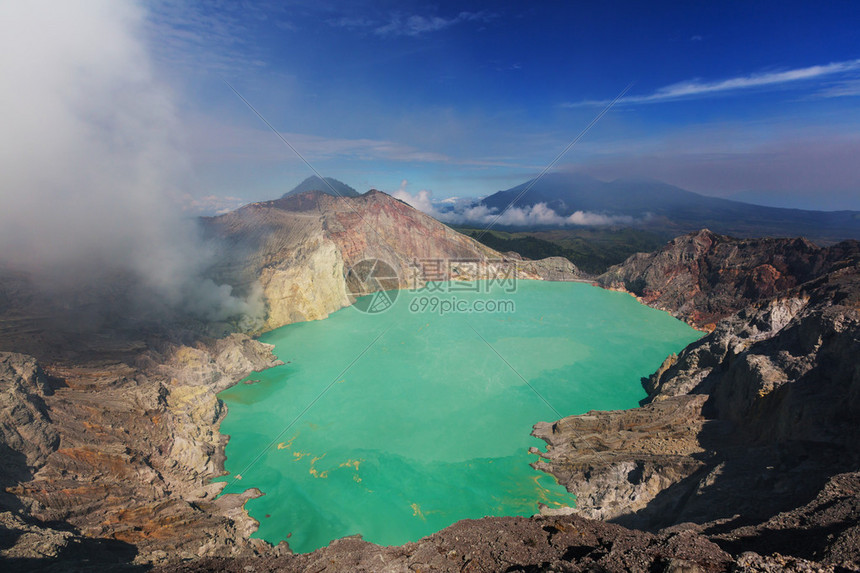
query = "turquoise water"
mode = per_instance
[{"x": 398, "y": 424}]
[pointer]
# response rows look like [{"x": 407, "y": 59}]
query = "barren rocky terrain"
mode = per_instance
[
  {"x": 746, "y": 423},
  {"x": 745, "y": 456},
  {"x": 299, "y": 248}
]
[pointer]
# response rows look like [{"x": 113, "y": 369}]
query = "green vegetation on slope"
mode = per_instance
[
  {"x": 593, "y": 250},
  {"x": 662, "y": 208}
]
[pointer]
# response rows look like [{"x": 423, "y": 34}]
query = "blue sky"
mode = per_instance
[{"x": 757, "y": 100}]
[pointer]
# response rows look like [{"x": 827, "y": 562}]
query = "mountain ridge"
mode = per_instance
[
  {"x": 328, "y": 185},
  {"x": 301, "y": 246},
  {"x": 742, "y": 424},
  {"x": 656, "y": 205},
  {"x": 757, "y": 418}
]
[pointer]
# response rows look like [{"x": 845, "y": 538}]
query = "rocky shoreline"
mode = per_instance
[
  {"x": 754, "y": 419},
  {"x": 110, "y": 438},
  {"x": 110, "y": 432},
  {"x": 132, "y": 454}
]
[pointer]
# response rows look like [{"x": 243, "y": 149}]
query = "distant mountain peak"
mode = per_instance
[
  {"x": 670, "y": 210},
  {"x": 329, "y": 186}
]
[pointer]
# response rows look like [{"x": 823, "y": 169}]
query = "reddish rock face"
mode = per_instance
[
  {"x": 747, "y": 424},
  {"x": 300, "y": 249},
  {"x": 704, "y": 277},
  {"x": 117, "y": 438},
  {"x": 122, "y": 445},
  {"x": 378, "y": 225}
]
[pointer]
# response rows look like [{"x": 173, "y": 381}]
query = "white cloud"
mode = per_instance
[
  {"x": 538, "y": 214},
  {"x": 535, "y": 215},
  {"x": 416, "y": 25},
  {"x": 190, "y": 37},
  {"x": 422, "y": 200},
  {"x": 693, "y": 88},
  {"x": 849, "y": 88}
]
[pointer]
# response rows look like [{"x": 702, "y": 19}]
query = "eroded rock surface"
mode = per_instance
[
  {"x": 746, "y": 424},
  {"x": 27, "y": 434},
  {"x": 744, "y": 459},
  {"x": 130, "y": 449},
  {"x": 704, "y": 277},
  {"x": 300, "y": 248},
  {"x": 566, "y": 543}
]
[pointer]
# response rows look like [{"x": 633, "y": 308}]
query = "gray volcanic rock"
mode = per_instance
[
  {"x": 552, "y": 269},
  {"x": 26, "y": 546},
  {"x": 139, "y": 448},
  {"x": 27, "y": 436},
  {"x": 751, "y": 420},
  {"x": 825, "y": 529},
  {"x": 300, "y": 248},
  {"x": 26, "y": 541},
  {"x": 704, "y": 277},
  {"x": 618, "y": 462},
  {"x": 566, "y": 543}
]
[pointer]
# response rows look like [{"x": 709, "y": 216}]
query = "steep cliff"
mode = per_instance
[
  {"x": 751, "y": 420},
  {"x": 749, "y": 442},
  {"x": 704, "y": 277},
  {"x": 27, "y": 434},
  {"x": 130, "y": 449},
  {"x": 301, "y": 247},
  {"x": 111, "y": 432}
]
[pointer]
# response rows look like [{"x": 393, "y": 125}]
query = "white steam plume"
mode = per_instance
[{"x": 90, "y": 158}]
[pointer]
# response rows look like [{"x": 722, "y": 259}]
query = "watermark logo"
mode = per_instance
[
  {"x": 462, "y": 275},
  {"x": 453, "y": 305},
  {"x": 438, "y": 286},
  {"x": 461, "y": 286},
  {"x": 372, "y": 286}
]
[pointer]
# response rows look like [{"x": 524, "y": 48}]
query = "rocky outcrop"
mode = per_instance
[
  {"x": 550, "y": 269},
  {"x": 704, "y": 277},
  {"x": 26, "y": 546},
  {"x": 300, "y": 248},
  {"x": 139, "y": 447},
  {"x": 287, "y": 252},
  {"x": 566, "y": 543},
  {"x": 745, "y": 457},
  {"x": 748, "y": 422},
  {"x": 27, "y": 434},
  {"x": 617, "y": 463},
  {"x": 825, "y": 529}
]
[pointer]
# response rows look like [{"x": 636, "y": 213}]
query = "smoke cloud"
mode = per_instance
[{"x": 91, "y": 159}]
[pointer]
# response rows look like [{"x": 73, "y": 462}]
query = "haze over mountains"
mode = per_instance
[
  {"x": 328, "y": 185},
  {"x": 559, "y": 200},
  {"x": 136, "y": 474},
  {"x": 122, "y": 317},
  {"x": 595, "y": 224}
]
